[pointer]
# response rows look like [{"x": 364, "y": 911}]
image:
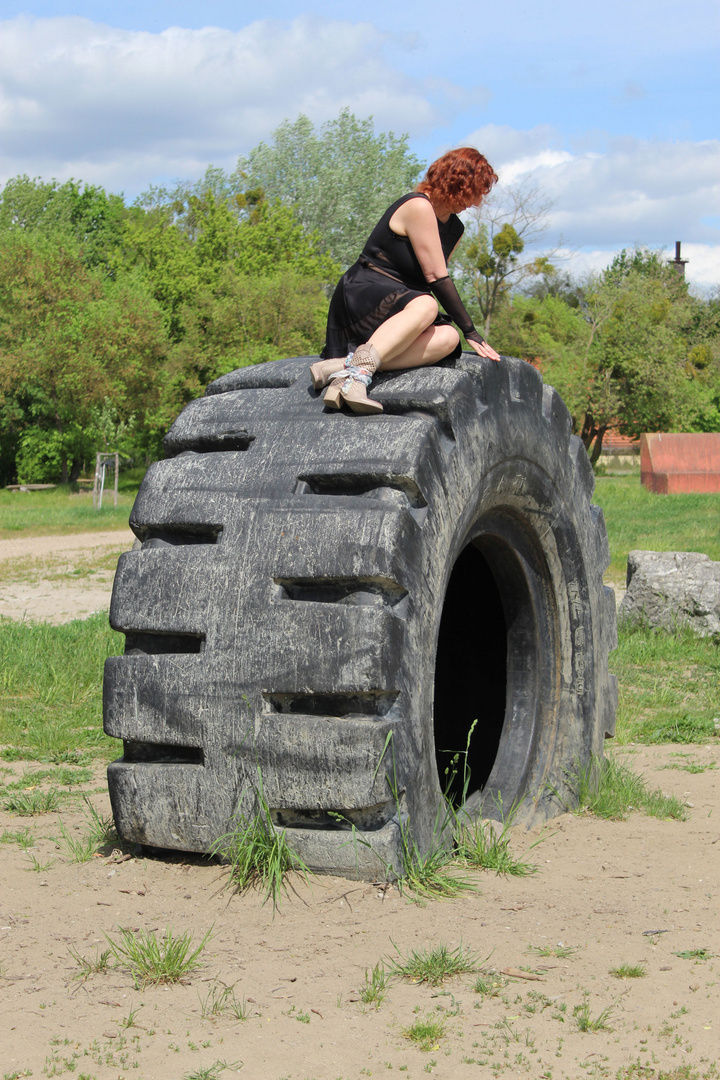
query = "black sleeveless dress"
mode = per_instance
[{"x": 386, "y": 277}]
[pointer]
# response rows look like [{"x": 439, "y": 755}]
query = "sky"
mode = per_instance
[{"x": 610, "y": 109}]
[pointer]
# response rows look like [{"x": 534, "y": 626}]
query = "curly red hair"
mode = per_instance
[{"x": 460, "y": 176}]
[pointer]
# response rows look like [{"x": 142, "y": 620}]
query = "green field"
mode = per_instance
[
  {"x": 61, "y": 510},
  {"x": 635, "y": 518}
]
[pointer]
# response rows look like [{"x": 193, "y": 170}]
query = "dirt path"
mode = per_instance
[
  {"x": 58, "y": 578},
  {"x": 641, "y": 892}
]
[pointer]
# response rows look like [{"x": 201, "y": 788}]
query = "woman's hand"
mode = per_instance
[{"x": 484, "y": 350}]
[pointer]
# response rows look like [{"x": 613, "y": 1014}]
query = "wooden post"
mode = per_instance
[
  {"x": 117, "y": 470},
  {"x": 96, "y": 483}
]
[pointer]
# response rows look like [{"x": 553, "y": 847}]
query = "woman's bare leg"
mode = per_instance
[
  {"x": 398, "y": 333},
  {"x": 432, "y": 345}
]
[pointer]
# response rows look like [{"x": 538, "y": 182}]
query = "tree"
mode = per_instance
[
  {"x": 70, "y": 340},
  {"x": 83, "y": 213},
  {"x": 637, "y": 353},
  {"x": 489, "y": 258},
  {"x": 339, "y": 179}
]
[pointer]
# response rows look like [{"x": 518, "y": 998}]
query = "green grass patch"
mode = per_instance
[
  {"x": 258, "y": 853},
  {"x": 32, "y": 803},
  {"x": 51, "y": 690},
  {"x": 63, "y": 776},
  {"x": 61, "y": 510},
  {"x": 434, "y": 966},
  {"x": 629, "y": 971},
  {"x": 667, "y": 686},
  {"x": 425, "y": 1033},
  {"x": 609, "y": 789},
  {"x": 153, "y": 960},
  {"x": 636, "y": 518}
]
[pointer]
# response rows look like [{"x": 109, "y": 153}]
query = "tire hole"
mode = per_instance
[
  {"x": 156, "y": 644},
  {"x": 162, "y": 753},
  {"x": 470, "y": 674},
  {"x": 355, "y": 592},
  {"x": 374, "y": 703}
]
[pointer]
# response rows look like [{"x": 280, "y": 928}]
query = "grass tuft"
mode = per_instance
[
  {"x": 629, "y": 971},
  {"x": 479, "y": 844},
  {"x": 559, "y": 951},
  {"x": 586, "y": 1022},
  {"x": 375, "y": 987},
  {"x": 99, "y": 833},
  {"x": 221, "y": 1001},
  {"x": 30, "y": 804},
  {"x": 609, "y": 789},
  {"x": 425, "y": 1033},
  {"x": 258, "y": 853},
  {"x": 97, "y": 965},
  {"x": 436, "y": 965},
  {"x": 153, "y": 960}
]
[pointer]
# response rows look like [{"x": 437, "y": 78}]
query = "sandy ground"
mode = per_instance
[
  {"x": 634, "y": 892},
  {"x": 58, "y": 578},
  {"x": 638, "y": 892}
]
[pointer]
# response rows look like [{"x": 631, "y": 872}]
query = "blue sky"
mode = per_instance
[{"x": 611, "y": 109}]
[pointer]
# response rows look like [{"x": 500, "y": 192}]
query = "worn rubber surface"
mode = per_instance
[{"x": 329, "y": 601}]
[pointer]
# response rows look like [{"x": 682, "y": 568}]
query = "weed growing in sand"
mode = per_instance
[
  {"x": 435, "y": 966},
  {"x": 485, "y": 845},
  {"x": 154, "y": 960},
  {"x": 98, "y": 965},
  {"x": 16, "y": 1074},
  {"x": 489, "y": 984},
  {"x": 425, "y": 1033},
  {"x": 559, "y": 951},
  {"x": 24, "y": 838},
  {"x": 688, "y": 764},
  {"x": 99, "y": 832},
  {"x": 36, "y": 865},
  {"x": 32, "y": 803},
  {"x": 431, "y": 876},
  {"x": 374, "y": 990},
  {"x": 221, "y": 1001},
  {"x": 586, "y": 1022},
  {"x": 258, "y": 853},
  {"x": 629, "y": 971},
  {"x": 609, "y": 789},
  {"x": 211, "y": 1072},
  {"x": 694, "y": 954}
]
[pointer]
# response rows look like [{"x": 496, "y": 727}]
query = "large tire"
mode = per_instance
[{"x": 329, "y": 601}]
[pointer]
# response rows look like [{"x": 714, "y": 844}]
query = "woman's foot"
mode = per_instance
[
  {"x": 323, "y": 370},
  {"x": 350, "y": 385}
]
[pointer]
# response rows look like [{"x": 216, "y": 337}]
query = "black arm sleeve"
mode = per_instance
[{"x": 449, "y": 297}]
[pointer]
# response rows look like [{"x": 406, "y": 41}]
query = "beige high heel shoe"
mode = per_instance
[
  {"x": 350, "y": 385},
  {"x": 322, "y": 371}
]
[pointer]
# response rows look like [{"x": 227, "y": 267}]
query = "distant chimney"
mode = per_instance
[{"x": 677, "y": 262}]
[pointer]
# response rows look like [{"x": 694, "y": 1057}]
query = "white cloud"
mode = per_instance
[
  {"x": 123, "y": 107},
  {"x": 616, "y": 192}
]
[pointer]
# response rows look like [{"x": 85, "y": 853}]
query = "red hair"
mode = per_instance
[{"x": 460, "y": 176}]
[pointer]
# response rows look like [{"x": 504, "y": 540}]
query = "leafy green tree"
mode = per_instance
[
  {"x": 637, "y": 354},
  {"x": 83, "y": 213},
  {"x": 70, "y": 340},
  {"x": 338, "y": 179}
]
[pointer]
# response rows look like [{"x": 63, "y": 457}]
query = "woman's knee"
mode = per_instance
[
  {"x": 446, "y": 338},
  {"x": 426, "y": 309}
]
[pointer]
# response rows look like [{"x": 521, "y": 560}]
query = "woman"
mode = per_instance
[{"x": 384, "y": 312}]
